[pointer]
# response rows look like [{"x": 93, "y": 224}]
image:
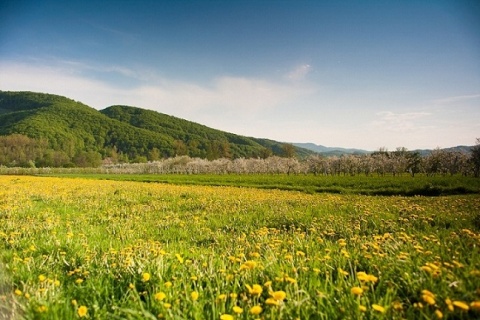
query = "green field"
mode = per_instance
[
  {"x": 388, "y": 185},
  {"x": 239, "y": 247}
]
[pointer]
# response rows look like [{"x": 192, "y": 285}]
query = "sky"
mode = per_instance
[{"x": 353, "y": 74}]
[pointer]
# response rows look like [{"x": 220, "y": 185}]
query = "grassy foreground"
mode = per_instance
[{"x": 83, "y": 248}]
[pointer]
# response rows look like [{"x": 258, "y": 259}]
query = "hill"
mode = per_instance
[
  {"x": 329, "y": 151},
  {"x": 70, "y": 129}
]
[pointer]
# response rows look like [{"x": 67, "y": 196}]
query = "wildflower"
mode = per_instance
[
  {"x": 256, "y": 289},
  {"x": 362, "y": 308},
  {"x": 167, "y": 305},
  {"x": 18, "y": 292},
  {"x": 179, "y": 258},
  {"x": 146, "y": 277},
  {"x": 167, "y": 284},
  {"x": 194, "y": 295},
  {"x": 233, "y": 295},
  {"x": 439, "y": 314},
  {"x": 41, "y": 278},
  {"x": 475, "y": 305},
  {"x": 160, "y": 296},
  {"x": 248, "y": 265},
  {"x": 79, "y": 281},
  {"x": 74, "y": 302},
  {"x": 278, "y": 295},
  {"x": 237, "y": 310},
  {"x": 449, "y": 304},
  {"x": 461, "y": 305},
  {"x": 378, "y": 308},
  {"x": 131, "y": 286},
  {"x": 364, "y": 277},
  {"x": 82, "y": 311},
  {"x": 356, "y": 291},
  {"x": 397, "y": 305},
  {"x": 222, "y": 297},
  {"x": 272, "y": 302},
  {"x": 256, "y": 310},
  {"x": 226, "y": 317},
  {"x": 428, "y": 297}
]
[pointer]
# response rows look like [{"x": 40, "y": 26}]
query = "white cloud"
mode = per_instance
[
  {"x": 299, "y": 72},
  {"x": 234, "y": 96},
  {"x": 400, "y": 122},
  {"x": 456, "y": 99}
]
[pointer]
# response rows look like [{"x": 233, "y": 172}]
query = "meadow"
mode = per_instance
[{"x": 105, "y": 249}]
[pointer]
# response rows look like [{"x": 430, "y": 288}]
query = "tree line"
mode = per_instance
[{"x": 18, "y": 150}]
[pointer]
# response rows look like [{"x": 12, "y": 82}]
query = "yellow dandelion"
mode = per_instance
[
  {"x": 449, "y": 304},
  {"x": 378, "y": 308},
  {"x": 248, "y": 265},
  {"x": 438, "y": 314},
  {"x": 79, "y": 281},
  {"x": 362, "y": 308},
  {"x": 461, "y": 305},
  {"x": 167, "y": 284},
  {"x": 272, "y": 302},
  {"x": 278, "y": 295},
  {"x": 256, "y": 289},
  {"x": 237, "y": 310},
  {"x": 146, "y": 277},
  {"x": 475, "y": 305},
  {"x": 41, "y": 278},
  {"x": 226, "y": 317},
  {"x": 18, "y": 292},
  {"x": 194, "y": 295},
  {"x": 167, "y": 305},
  {"x": 82, "y": 311},
  {"x": 256, "y": 310},
  {"x": 356, "y": 291},
  {"x": 159, "y": 296}
]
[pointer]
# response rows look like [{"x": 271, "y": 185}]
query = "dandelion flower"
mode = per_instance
[
  {"x": 356, "y": 291},
  {"x": 378, "y": 308},
  {"x": 226, "y": 317},
  {"x": 82, "y": 311},
  {"x": 194, "y": 295},
  {"x": 167, "y": 284},
  {"x": 237, "y": 310},
  {"x": 278, "y": 295},
  {"x": 256, "y": 310},
  {"x": 160, "y": 296},
  {"x": 18, "y": 292},
  {"x": 41, "y": 278},
  {"x": 461, "y": 305},
  {"x": 475, "y": 305},
  {"x": 146, "y": 277},
  {"x": 438, "y": 314},
  {"x": 272, "y": 302},
  {"x": 362, "y": 308},
  {"x": 256, "y": 289}
]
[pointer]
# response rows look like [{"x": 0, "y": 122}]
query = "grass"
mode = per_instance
[
  {"x": 403, "y": 185},
  {"x": 104, "y": 249}
]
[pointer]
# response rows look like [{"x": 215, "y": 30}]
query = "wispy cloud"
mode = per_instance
[
  {"x": 400, "y": 122},
  {"x": 237, "y": 97},
  {"x": 299, "y": 72},
  {"x": 455, "y": 99}
]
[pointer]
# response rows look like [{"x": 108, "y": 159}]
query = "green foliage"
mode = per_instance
[{"x": 73, "y": 128}]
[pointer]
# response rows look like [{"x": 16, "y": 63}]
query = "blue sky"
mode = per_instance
[{"x": 362, "y": 74}]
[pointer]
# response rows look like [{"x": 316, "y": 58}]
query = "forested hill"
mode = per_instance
[{"x": 68, "y": 129}]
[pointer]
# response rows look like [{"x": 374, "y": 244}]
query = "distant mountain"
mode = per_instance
[
  {"x": 335, "y": 151},
  {"x": 329, "y": 151},
  {"x": 71, "y": 127}
]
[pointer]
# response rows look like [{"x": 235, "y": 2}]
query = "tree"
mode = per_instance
[
  {"x": 288, "y": 150},
  {"x": 475, "y": 159}
]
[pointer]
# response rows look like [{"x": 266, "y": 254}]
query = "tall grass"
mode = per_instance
[{"x": 84, "y": 248}]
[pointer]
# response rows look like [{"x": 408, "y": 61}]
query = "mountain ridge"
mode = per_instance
[{"x": 71, "y": 127}]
